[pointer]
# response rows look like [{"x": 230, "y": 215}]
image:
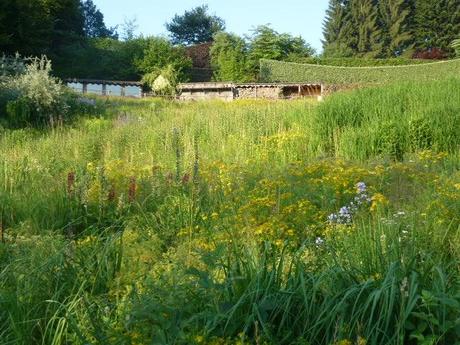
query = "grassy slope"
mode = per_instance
[
  {"x": 237, "y": 251},
  {"x": 278, "y": 71}
]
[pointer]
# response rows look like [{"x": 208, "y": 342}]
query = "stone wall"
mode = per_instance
[
  {"x": 258, "y": 92},
  {"x": 197, "y": 95}
]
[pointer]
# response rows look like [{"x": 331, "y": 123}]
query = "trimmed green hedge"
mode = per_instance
[
  {"x": 355, "y": 62},
  {"x": 279, "y": 71}
]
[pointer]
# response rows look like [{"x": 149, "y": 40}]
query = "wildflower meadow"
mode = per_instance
[{"x": 250, "y": 222}]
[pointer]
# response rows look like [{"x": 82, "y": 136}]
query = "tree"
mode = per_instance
[
  {"x": 194, "y": 26},
  {"x": 129, "y": 28},
  {"x": 266, "y": 43},
  {"x": 436, "y": 24},
  {"x": 68, "y": 21},
  {"x": 335, "y": 28},
  {"x": 94, "y": 25},
  {"x": 229, "y": 58},
  {"x": 25, "y": 27},
  {"x": 456, "y": 46},
  {"x": 158, "y": 54},
  {"x": 396, "y": 33},
  {"x": 368, "y": 33}
]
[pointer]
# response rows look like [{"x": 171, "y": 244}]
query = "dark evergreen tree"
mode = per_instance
[
  {"x": 68, "y": 21},
  {"x": 25, "y": 27},
  {"x": 389, "y": 28},
  {"x": 395, "y": 25},
  {"x": 436, "y": 24},
  {"x": 94, "y": 25},
  {"x": 364, "y": 15},
  {"x": 336, "y": 30}
]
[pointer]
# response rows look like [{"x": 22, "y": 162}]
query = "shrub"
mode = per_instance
[
  {"x": 163, "y": 81},
  {"x": 34, "y": 97}
]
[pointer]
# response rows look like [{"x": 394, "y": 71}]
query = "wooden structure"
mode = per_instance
[
  {"x": 231, "y": 91},
  {"x": 101, "y": 87}
]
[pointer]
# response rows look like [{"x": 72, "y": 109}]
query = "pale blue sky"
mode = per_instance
[{"x": 297, "y": 17}]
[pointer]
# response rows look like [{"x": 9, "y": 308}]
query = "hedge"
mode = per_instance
[
  {"x": 355, "y": 62},
  {"x": 279, "y": 71}
]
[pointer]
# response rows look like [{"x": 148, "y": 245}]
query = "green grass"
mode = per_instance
[
  {"x": 206, "y": 223},
  {"x": 278, "y": 71}
]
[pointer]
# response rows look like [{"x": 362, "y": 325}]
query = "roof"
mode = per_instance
[
  {"x": 107, "y": 82},
  {"x": 221, "y": 85}
]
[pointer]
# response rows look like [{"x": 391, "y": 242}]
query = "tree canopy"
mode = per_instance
[
  {"x": 237, "y": 59},
  {"x": 194, "y": 26},
  {"x": 390, "y": 28},
  {"x": 94, "y": 25}
]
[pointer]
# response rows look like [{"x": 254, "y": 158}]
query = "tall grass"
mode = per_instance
[
  {"x": 393, "y": 120},
  {"x": 206, "y": 223}
]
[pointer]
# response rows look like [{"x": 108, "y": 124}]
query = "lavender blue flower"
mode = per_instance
[
  {"x": 345, "y": 214},
  {"x": 361, "y": 187}
]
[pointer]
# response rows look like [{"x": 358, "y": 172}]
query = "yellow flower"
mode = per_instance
[
  {"x": 378, "y": 200},
  {"x": 344, "y": 342}
]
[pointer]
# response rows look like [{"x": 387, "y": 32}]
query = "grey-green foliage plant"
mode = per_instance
[
  {"x": 34, "y": 96},
  {"x": 162, "y": 81}
]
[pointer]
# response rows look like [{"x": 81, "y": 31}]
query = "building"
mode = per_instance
[{"x": 231, "y": 91}]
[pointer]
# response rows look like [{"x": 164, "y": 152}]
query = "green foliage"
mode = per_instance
[
  {"x": 158, "y": 53},
  {"x": 277, "y": 71},
  {"x": 396, "y": 36},
  {"x": 456, "y": 46},
  {"x": 34, "y": 97},
  {"x": 163, "y": 81},
  {"x": 194, "y": 26},
  {"x": 206, "y": 223},
  {"x": 56, "y": 28},
  {"x": 237, "y": 59},
  {"x": 367, "y": 32},
  {"x": 392, "y": 120},
  {"x": 94, "y": 25},
  {"x": 356, "y": 62},
  {"x": 389, "y": 28},
  {"x": 266, "y": 43},
  {"x": 229, "y": 54},
  {"x": 436, "y": 24},
  {"x": 107, "y": 58}
]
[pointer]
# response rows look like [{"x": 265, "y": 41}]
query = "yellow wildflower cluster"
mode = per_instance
[{"x": 378, "y": 201}]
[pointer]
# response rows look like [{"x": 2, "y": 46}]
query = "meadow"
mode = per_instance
[{"x": 250, "y": 222}]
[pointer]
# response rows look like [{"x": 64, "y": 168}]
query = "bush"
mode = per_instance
[
  {"x": 33, "y": 97},
  {"x": 162, "y": 82}
]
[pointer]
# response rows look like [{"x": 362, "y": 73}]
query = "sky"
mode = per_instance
[{"x": 297, "y": 17}]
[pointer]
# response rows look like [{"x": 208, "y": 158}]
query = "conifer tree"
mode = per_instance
[
  {"x": 368, "y": 33},
  {"x": 436, "y": 24},
  {"x": 396, "y": 32},
  {"x": 338, "y": 30}
]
